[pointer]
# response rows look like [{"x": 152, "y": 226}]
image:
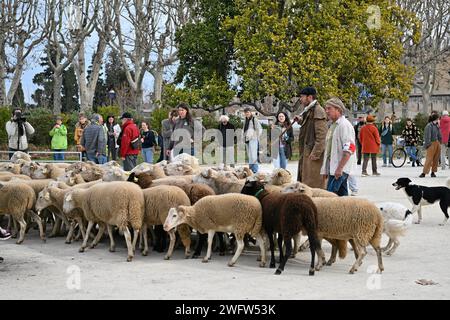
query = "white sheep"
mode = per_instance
[
  {"x": 298, "y": 187},
  {"x": 397, "y": 219},
  {"x": 235, "y": 213},
  {"x": 115, "y": 174},
  {"x": 158, "y": 201},
  {"x": 113, "y": 203},
  {"x": 16, "y": 199},
  {"x": 48, "y": 171},
  {"x": 89, "y": 171},
  {"x": 345, "y": 218},
  {"x": 155, "y": 171},
  {"x": 19, "y": 155}
]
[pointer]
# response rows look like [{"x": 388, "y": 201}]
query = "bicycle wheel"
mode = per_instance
[{"x": 398, "y": 157}]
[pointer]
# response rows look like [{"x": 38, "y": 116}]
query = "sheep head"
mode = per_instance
[
  {"x": 175, "y": 217},
  {"x": 296, "y": 187},
  {"x": 43, "y": 200},
  {"x": 69, "y": 202},
  {"x": 252, "y": 187}
]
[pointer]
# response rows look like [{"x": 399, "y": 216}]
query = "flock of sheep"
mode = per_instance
[{"x": 82, "y": 197}]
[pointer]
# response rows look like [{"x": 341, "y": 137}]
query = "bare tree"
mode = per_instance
[
  {"x": 176, "y": 14},
  {"x": 87, "y": 86},
  {"x": 70, "y": 23},
  {"x": 20, "y": 32},
  {"x": 432, "y": 49},
  {"x": 144, "y": 37}
]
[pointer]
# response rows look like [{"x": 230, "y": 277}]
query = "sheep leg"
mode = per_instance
[
  {"x": 56, "y": 227},
  {"x": 355, "y": 249},
  {"x": 144, "y": 239},
  {"x": 388, "y": 246},
  {"x": 135, "y": 237},
  {"x": 69, "y": 237},
  {"x": 262, "y": 248},
  {"x": 112, "y": 244},
  {"x": 240, "y": 247},
  {"x": 81, "y": 226},
  {"x": 288, "y": 244},
  {"x": 305, "y": 245},
  {"x": 15, "y": 228},
  {"x": 101, "y": 231},
  {"x": 210, "y": 242},
  {"x": 171, "y": 245},
  {"x": 396, "y": 244},
  {"x": 334, "y": 250},
  {"x": 297, "y": 239},
  {"x": 185, "y": 236},
  {"x": 272, "y": 249},
  {"x": 127, "y": 235},
  {"x": 375, "y": 243},
  {"x": 201, "y": 241},
  {"x": 358, "y": 262},
  {"x": 86, "y": 237},
  {"x": 280, "y": 247},
  {"x": 23, "y": 226},
  {"x": 38, "y": 220}
]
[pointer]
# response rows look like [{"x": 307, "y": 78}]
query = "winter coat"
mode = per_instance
[
  {"x": 79, "y": 128},
  {"x": 129, "y": 132},
  {"x": 93, "y": 139},
  {"x": 190, "y": 126},
  {"x": 370, "y": 139},
  {"x": 59, "y": 138},
  {"x": 149, "y": 139},
  {"x": 112, "y": 135},
  {"x": 445, "y": 128},
  {"x": 411, "y": 135},
  {"x": 12, "y": 130},
  {"x": 387, "y": 138},
  {"x": 223, "y": 130},
  {"x": 312, "y": 136},
  {"x": 167, "y": 129},
  {"x": 431, "y": 134}
]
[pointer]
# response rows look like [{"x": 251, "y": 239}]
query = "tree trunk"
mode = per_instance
[
  {"x": 381, "y": 110},
  {"x": 57, "y": 85},
  {"x": 157, "y": 86},
  {"x": 138, "y": 99},
  {"x": 426, "y": 97},
  {"x": 3, "y": 94}
]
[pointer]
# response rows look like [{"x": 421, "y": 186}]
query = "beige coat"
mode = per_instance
[{"x": 312, "y": 137}]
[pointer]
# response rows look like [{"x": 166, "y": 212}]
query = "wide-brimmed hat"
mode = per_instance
[{"x": 337, "y": 103}]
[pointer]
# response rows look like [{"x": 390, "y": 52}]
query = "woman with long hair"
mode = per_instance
[{"x": 285, "y": 136}]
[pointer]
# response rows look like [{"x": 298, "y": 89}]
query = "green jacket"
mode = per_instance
[{"x": 59, "y": 138}]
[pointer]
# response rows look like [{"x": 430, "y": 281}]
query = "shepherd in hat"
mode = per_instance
[{"x": 313, "y": 131}]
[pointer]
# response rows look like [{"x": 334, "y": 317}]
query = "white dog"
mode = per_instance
[{"x": 397, "y": 218}]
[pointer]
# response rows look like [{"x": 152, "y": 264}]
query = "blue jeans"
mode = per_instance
[
  {"x": 252, "y": 152},
  {"x": 383, "y": 152},
  {"x": 101, "y": 159},
  {"x": 338, "y": 186},
  {"x": 283, "y": 159},
  {"x": 147, "y": 154},
  {"x": 58, "y": 156},
  {"x": 411, "y": 152}
]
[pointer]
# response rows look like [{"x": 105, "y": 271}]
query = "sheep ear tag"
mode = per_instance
[
  {"x": 47, "y": 196},
  {"x": 69, "y": 197}
]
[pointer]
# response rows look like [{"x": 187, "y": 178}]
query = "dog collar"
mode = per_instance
[{"x": 258, "y": 193}]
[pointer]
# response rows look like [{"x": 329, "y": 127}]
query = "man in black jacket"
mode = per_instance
[
  {"x": 358, "y": 127},
  {"x": 228, "y": 139}
]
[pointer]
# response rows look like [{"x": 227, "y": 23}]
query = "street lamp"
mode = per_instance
[{"x": 112, "y": 96}]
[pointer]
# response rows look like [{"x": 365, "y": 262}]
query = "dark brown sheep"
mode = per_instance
[{"x": 287, "y": 214}]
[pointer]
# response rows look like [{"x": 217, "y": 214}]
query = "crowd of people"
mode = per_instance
[{"x": 330, "y": 147}]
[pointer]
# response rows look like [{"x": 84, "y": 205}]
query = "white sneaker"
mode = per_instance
[{"x": 354, "y": 193}]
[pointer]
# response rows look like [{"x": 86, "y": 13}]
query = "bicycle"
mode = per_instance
[{"x": 399, "y": 156}]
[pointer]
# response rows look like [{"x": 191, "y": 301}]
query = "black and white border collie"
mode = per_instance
[{"x": 422, "y": 196}]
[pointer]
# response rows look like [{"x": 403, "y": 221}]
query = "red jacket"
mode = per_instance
[
  {"x": 129, "y": 132},
  {"x": 445, "y": 128},
  {"x": 370, "y": 139}
]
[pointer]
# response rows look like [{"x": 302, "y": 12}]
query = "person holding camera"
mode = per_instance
[
  {"x": 59, "y": 139},
  {"x": 18, "y": 129}
]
